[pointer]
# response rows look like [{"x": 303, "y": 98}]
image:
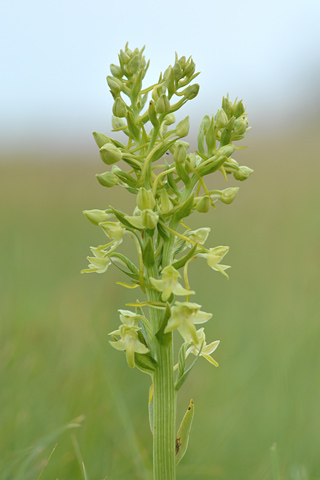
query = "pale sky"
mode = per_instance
[{"x": 55, "y": 56}]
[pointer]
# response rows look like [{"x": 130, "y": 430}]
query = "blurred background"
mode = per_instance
[{"x": 61, "y": 383}]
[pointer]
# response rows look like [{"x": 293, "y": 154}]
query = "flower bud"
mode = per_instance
[
  {"x": 115, "y": 70},
  {"x": 180, "y": 153},
  {"x": 115, "y": 85},
  {"x": 145, "y": 199},
  {"x": 170, "y": 119},
  {"x": 117, "y": 122},
  {"x": 109, "y": 153},
  {"x": 228, "y": 195},
  {"x": 163, "y": 105},
  {"x": 169, "y": 75},
  {"x": 100, "y": 139},
  {"x": 182, "y": 129},
  {"x": 177, "y": 71},
  {"x": 166, "y": 204},
  {"x": 134, "y": 64},
  {"x": 243, "y": 173},
  {"x": 227, "y": 106},
  {"x": 149, "y": 219},
  {"x": 211, "y": 137},
  {"x": 226, "y": 150},
  {"x": 119, "y": 108},
  {"x": 153, "y": 114},
  {"x": 203, "y": 205},
  {"x": 239, "y": 109},
  {"x": 189, "y": 68},
  {"x": 191, "y": 91},
  {"x": 240, "y": 125},
  {"x": 96, "y": 216},
  {"x": 221, "y": 119},
  {"x": 107, "y": 179},
  {"x": 124, "y": 57}
]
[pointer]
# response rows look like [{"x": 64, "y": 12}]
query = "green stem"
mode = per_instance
[
  {"x": 164, "y": 416},
  {"x": 164, "y": 397}
]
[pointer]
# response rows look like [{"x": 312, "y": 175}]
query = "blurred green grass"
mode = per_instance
[{"x": 56, "y": 364}]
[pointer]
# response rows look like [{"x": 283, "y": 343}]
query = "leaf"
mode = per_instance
[
  {"x": 183, "y": 434},
  {"x": 131, "y": 266},
  {"x": 150, "y": 407},
  {"x": 162, "y": 150},
  {"x": 182, "y": 261},
  {"x": 183, "y": 174},
  {"x": 185, "y": 208},
  {"x": 148, "y": 254},
  {"x": 145, "y": 362},
  {"x": 173, "y": 184},
  {"x": 164, "y": 338},
  {"x": 146, "y": 332},
  {"x": 184, "y": 377},
  {"x": 120, "y": 216},
  {"x": 182, "y": 359},
  {"x": 162, "y": 232},
  {"x": 212, "y": 167}
]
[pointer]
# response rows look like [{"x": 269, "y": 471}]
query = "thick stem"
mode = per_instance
[
  {"x": 164, "y": 413},
  {"x": 164, "y": 398}
]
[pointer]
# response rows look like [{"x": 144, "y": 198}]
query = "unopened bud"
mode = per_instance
[
  {"x": 203, "y": 205},
  {"x": 115, "y": 70},
  {"x": 100, "y": 139},
  {"x": 240, "y": 125},
  {"x": 180, "y": 153},
  {"x": 107, "y": 179},
  {"x": 226, "y": 150},
  {"x": 145, "y": 199},
  {"x": 124, "y": 57},
  {"x": 191, "y": 91},
  {"x": 153, "y": 114},
  {"x": 163, "y": 105},
  {"x": 166, "y": 204},
  {"x": 134, "y": 64},
  {"x": 221, "y": 119},
  {"x": 119, "y": 108},
  {"x": 170, "y": 119},
  {"x": 211, "y": 137},
  {"x": 170, "y": 81},
  {"x": 117, "y": 122},
  {"x": 239, "y": 109},
  {"x": 243, "y": 173},
  {"x": 177, "y": 71},
  {"x": 189, "y": 68},
  {"x": 109, "y": 153},
  {"x": 96, "y": 216},
  {"x": 115, "y": 85},
  {"x": 183, "y": 127},
  {"x": 149, "y": 219},
  {"x": 228, "y": 195},
  {"x": 227, "y": 106}
]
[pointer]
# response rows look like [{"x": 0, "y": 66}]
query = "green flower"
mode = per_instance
[
  {"x": 101, "y": 261},
  {"x": 129, "y": 318},
  {"x": 144, "y": 219},
  {"x": 169, "y": 283},
  {"x": 214, "y": 257},
  {"x": 206, "y": 350},
  {"x": 184, "y": 315},
  {"x": 113, "y": 230},
  {"x": 200, "y": 235},
  {"x": 128, "y": 342}
]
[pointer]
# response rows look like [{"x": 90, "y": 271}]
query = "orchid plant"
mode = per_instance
[{"x": 169, "y": 184}]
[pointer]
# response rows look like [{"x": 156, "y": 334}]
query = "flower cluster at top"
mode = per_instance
[{"x": 169, "y": 184}]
